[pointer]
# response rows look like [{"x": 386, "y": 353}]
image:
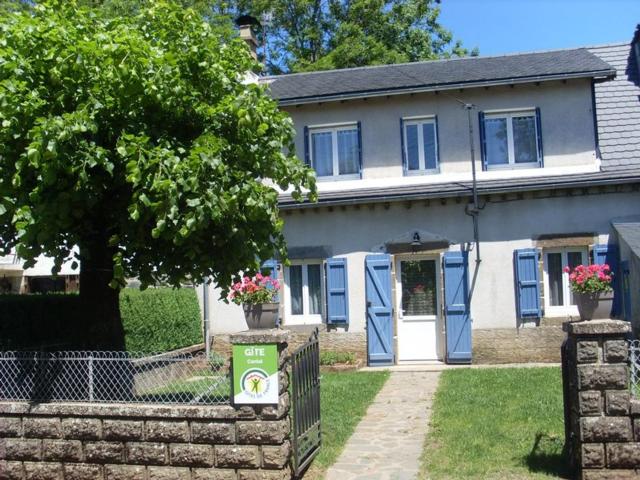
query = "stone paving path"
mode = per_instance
[{"x": 387, "y": 443}]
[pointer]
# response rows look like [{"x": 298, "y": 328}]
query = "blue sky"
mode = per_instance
[{"x": 506, "y": 26}]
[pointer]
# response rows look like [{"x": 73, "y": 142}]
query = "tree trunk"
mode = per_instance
[{"x": 99, "y": 302}]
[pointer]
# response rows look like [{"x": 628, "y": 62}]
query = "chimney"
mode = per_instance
[{"x": 246, "y": 24}]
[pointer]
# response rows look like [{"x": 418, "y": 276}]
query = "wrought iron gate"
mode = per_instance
[{"x": 305, "y": 395}]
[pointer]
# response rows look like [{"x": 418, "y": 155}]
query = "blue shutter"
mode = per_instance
[
  {"x": 457, "y": 309},
  {"x": 539, "y": 137},
  {"x": 527, "y": 283},
  {"x": 270, "y": 267},
  {"x": 404, "y": 153},
  {"x": 483, "y": 140},
  {"x": 337, "y": 291},
  {"x": 379, "y": 310},
  {"x": 360, "y": 148},
  {"x": 603, "y": 253},
  {"x": 307, "y": 157},
  {"x": 435, "y": 125}
]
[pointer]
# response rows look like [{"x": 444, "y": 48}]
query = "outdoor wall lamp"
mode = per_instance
[{"x": 415, "y": 243}]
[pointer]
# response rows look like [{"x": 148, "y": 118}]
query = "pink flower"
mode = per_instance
[
  {"x": 276, "y": 285},
  {"x": 566, "y": 269},
  {"x": 259, "y": 276}
]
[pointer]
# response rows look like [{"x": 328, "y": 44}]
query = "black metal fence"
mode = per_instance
[
  {"x": 113, "y": 377},
  {"x": 305, "y": 394}
]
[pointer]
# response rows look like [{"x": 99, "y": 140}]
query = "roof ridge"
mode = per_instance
[{"x": 422, "y": 62}]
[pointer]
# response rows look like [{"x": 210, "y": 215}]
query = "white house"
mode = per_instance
[{"x": 398, "y": 248}]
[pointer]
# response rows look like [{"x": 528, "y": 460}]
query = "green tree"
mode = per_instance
[
  {"x": 138, "y": 139},
  {"x": 320, "y": 35}
]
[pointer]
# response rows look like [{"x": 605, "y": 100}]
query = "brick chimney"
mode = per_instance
[{"x": 246, "y": 24}]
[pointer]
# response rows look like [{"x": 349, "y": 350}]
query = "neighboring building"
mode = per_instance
[
  {"x": 14, "y": 278},
  {"x": 389, "y": 249}
]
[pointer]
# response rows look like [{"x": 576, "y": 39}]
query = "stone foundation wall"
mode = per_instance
[
  {"x": 90, "y": 441},
  {"x": 602, "y": 421},
  {"x": 509, "y": 345},
  {"x": 330, "y": 341}
]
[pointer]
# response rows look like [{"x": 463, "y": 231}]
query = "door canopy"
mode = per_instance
[{"x": 414, "y": 241}]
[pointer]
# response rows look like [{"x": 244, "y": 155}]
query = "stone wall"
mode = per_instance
[
  {"x": 510, "y": 345},
  {"x": 73, "y": 441},
  {"x": 602, "y": 421},
  {"x": 330, "y": 341}
]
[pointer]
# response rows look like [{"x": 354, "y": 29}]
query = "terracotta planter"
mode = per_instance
[
  {"x": 587, "y": 304},
  {"x": 261, "y": 315}
]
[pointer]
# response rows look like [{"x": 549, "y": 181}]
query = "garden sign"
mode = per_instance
[{"x": 255, "y": 374}]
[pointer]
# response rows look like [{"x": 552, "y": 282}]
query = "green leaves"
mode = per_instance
[{"x": 137, "y": 133}]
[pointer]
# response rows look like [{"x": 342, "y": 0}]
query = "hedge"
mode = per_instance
[
  {"x": 160, "y": 319},
  {"x": 155, "y": 320}
]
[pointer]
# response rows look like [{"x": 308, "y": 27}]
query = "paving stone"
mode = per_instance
[{"x": 387, "y": 443}]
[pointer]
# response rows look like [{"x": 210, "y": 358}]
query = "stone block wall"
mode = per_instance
[
  {"x": 602, "y": 420},
  {"x": 330, "y": 341},
  {"x": 509, "y": 345},
  {"x": 90, "y": 441}
]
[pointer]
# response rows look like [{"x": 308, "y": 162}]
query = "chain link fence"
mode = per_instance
[
  {"x": 634, "y": 361},
  {"x": 114, "y": 377}
]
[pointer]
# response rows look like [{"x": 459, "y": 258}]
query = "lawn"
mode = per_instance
[
  {"x": 344, "y": 399},
  {"x": 496, "y": 423}
]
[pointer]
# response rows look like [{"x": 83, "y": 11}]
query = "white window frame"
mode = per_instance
[
  {"x": 333, "y": 129},
  {"x": 305, "y": 318},
  {"x": 508, "y": 115},
  {"x": 561, "y": 310},
  {"x": 422, "y": 161}
]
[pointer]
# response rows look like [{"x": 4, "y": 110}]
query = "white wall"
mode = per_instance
[{"x": 566, "y": 115}]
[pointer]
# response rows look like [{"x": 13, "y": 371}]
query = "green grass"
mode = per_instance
[
  {"x": 496, "y": 423},
  {"x": 344, "y": 398}
]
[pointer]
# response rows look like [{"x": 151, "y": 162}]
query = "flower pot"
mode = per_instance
[
  {"x": 587, "y": 304},
  {"x": 261, "y": 315}
]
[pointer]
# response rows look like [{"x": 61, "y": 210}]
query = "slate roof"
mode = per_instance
[
  {"x": 464, "y": 189},
  {"x": 629, "y": 230},
  {"x": 438, "y": 74},
  {"x": 618, "y": 109}
]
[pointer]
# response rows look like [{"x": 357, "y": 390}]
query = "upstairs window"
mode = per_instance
[
  {"x": 334, "y": 152},
  {"x": 511, "y": 139},
  {"x": 419, "y": 145}
]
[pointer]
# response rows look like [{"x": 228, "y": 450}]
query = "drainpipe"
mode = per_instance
[
  {"x": 205, "y": 315},
  {"x": 474, "y": 211}
]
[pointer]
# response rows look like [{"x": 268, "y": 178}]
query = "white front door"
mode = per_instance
[{"x": 417, "y": 287}]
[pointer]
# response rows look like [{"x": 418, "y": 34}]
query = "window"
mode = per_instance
[
  {"x": 335, "y": 151},
  {"x": 420, "y": 145},
  {"x": 511, "y": 139},
  {"x": 303, "y": 292},
  {"x": 558, "y": 295}
]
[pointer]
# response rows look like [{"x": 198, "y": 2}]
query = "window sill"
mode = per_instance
[
  {"x": 338, "y": 178},
  {"x": 302, "y": 320},
  {"x": 418, "y": 173},
  {"x": 514, "y": 166}
]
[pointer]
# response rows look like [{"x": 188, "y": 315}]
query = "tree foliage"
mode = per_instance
[
  {"x": 321, "y": 35},
  {"x": 139, "y": 136}
]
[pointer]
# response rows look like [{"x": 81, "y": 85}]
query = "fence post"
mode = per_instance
[
  {"x": 599, "y": 435},
  {"x": 273, "y": 419}
]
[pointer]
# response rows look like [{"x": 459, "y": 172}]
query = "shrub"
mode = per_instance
[
  {"x": 160, "y": 319},
  {"x": 39, "y": 322},
  {"x": 156, "y": 320},
  {"x": 331, "y": 358}
]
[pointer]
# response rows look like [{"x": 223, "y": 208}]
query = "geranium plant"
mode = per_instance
[
  {"x": 254, "y": 290},
  {"x": 590, "y": 278}
]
